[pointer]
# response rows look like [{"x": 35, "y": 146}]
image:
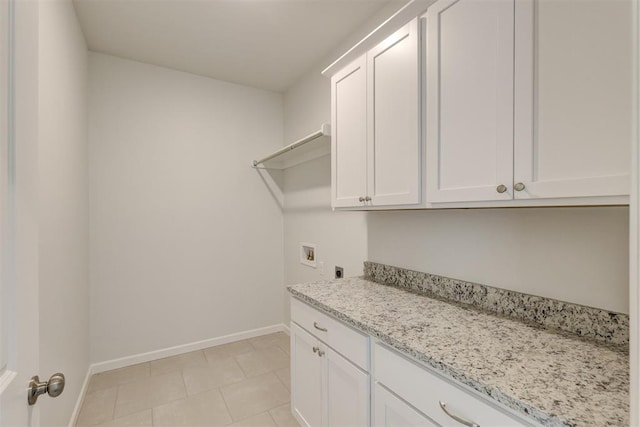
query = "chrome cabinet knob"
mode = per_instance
[
  {"x": 54, "y": 387},
  {"x": 367, "y": 199},
  {"x": 518, "y": 186},
  {"x": 320, "y": 353},
  {"x": 315, "y": 349},
  {"x": 361, "y": 199},
  {"x": 501, "y": 188}
]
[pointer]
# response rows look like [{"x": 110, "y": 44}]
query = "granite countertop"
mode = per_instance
[{"x": 556, "y": 378}]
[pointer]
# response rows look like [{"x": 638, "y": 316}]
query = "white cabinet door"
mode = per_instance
[
  {"x": 469, "y": 100},
  {"x": 394, "y": 155},
  {"x": 391, "y": 411},
  {"x": 306, "y": 378},
  {"x": 326, "y": 388},
  {"x": 349, "y": 138},
  {"x": 573, "y": 98},
  {"x": 347, "y": 392}
]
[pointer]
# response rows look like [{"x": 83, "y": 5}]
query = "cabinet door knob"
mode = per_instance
[
  {"x": 315, "y": 349},
  {"x": 518, "y": 186},
  {"x": 462, "y": 421},
  {"x": 501, "y": 188},
  {"x": 367, "y": 199},
  {"x": 361, "y": 199},
  {"x": 320, "y": 353}
]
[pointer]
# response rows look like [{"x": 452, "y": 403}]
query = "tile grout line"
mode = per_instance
[
  {"x": 115, "y": 403},
  {"x": 244, "y": 373},
  {"x": 226, "y": 405}
]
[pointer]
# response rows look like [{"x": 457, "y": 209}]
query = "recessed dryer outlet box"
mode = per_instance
[{"x": 308, "y": 255}]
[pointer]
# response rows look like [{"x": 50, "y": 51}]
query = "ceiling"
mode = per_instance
[{"x": 266, "y": 44}]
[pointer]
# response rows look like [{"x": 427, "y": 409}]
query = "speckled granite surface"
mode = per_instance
[
  {"x": 589, "y": 322},
  {"x": 555, "y": 378}
]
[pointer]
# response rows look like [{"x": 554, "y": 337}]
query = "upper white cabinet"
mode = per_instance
[
  {"x": 394, "y": 117},
  {"x": 574, "y": 97},
  {"x": 525, "y": 100},
  {"x": 469, "y": 100},
  {"x": 376, "y": 146},
  {"x": 349, "y": 139}
]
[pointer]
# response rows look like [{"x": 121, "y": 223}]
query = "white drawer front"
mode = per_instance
[
  {"x": 425, "y": 390},
  {"x": 347, "y": 341}
]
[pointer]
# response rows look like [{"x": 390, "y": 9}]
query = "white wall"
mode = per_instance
[
  {"x": 186, "y": 238},
  {"x": 63, "y": 206},
  {"x": 571, "y": 254},
  {"x": 341, "y": 237}
]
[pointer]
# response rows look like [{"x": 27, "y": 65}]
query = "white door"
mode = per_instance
[
  {"x": 349, "y": 135},
  {"x": 469, "y": 105},
  {"x": 306, "y": 378},
  {"x": 19, "y": 344},
  {"x": 346, "y": 392},
  {"x": 391, "y": 411},
  {"x": 573, "y": 98},
  {"x": 394, "y": 155}
]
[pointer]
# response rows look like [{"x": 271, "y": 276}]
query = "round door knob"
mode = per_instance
[
  {"x": 54, "y": 387},
  {"x": 361, "y": 199},
  {"x": 501, "y": 188},
  {"x": 518, "y": 186},
  {"x": 367, "y": 199}
]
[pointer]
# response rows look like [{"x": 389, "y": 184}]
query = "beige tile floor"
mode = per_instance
[{"x": 245, "y": 383}]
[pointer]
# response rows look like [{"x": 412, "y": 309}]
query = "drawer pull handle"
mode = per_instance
[
  {"x": 320, "y": 328},
  {"x": 443, "y": 406}
]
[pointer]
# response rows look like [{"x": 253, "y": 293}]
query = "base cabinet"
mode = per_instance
[
  {"x": 306, "y": 378},
  {"x": 391, "y": 411},
  {"x": 441, "y": 400},
  {"x": 341, "y": 377},
  {"x": 347, "y": 392},
  {"x": 326, "y": 388}
]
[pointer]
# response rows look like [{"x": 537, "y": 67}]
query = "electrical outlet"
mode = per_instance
[{"x": 339, "y": 272}]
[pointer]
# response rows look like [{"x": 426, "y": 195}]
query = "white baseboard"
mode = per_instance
[
  {"x": 184, "y": 348},
  {"x": 83, "y": 392}
]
